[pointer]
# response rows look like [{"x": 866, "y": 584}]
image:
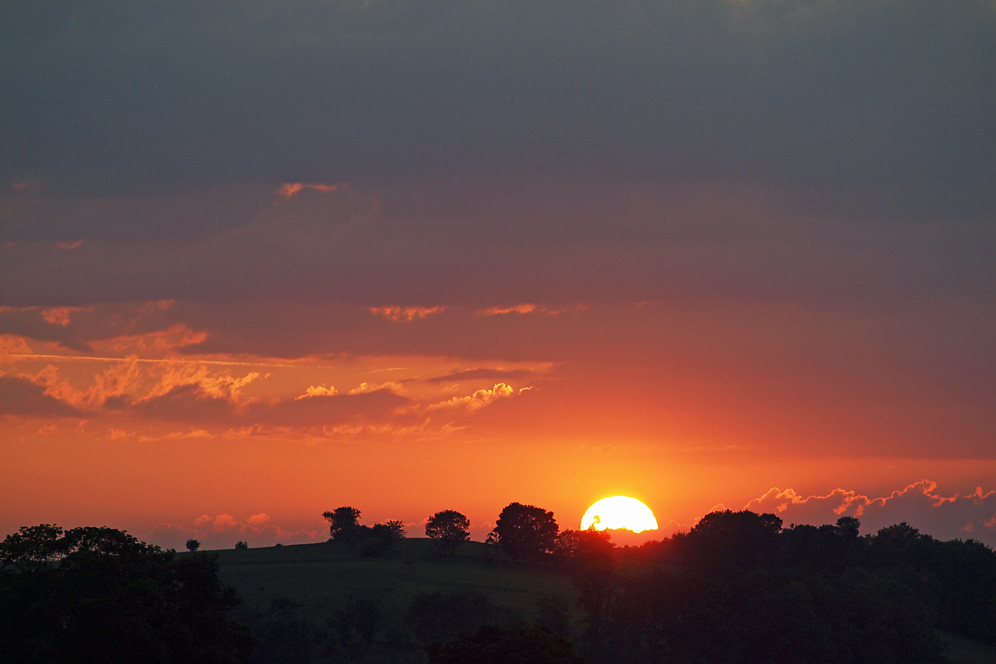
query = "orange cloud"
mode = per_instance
[
  {"x": 530, "y": 308},
  {"x": 526, "y": 308},
  {"x": 397, "y": 314},
  {"x": 156, "y": 342},
  {"x": 258, "y": 519},
  {"x": 289, "y": 189},
  {"x": 223, "y": 530},
  {"x": 61, "y": 315},
  {"x": 317, "y": 391},
  {"x": 366, "y": 388},
  {"x": 224, "y": 522},
  {"x": 70, "y": 245},
  {"x": 479, "y": 399},
  {"x": 11, "y": 345}
]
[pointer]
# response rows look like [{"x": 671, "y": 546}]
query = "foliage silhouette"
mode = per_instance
[
  {"x": 525, "y": 532},
  {"x": 342, "y": 522},
  {"x": 193, "y": 545},
  {"x": 78, "y": 595},
  {"x": 448, "y": 528},
  {"x": 739, "y": 588}
]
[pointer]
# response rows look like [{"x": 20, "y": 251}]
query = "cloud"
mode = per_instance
[
  {"x": 258, "y": 519},
  {"x": 61, "y": 315},
  {"x": 526, "y": 308},
  {"x": 289, "y": 189},
  {"x": 137, "y": 327},
  {"x": 956, "y": 516},
  {"x": 187, "y": 403},
  {"x": 646, "y": 89},
  {"x": 221, "y": 531},
  {"x": 480, "y": 398},
  {"x": 479, "y": 373},
  {"x": 21, "y": 397},
  {"x": 379, "y": 405},
  {"x": 530, "y": 308},
  {"x": 397, "y": 314},
  {"x": 317, "y": 391}
]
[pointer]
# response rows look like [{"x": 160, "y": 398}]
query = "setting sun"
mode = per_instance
[{"x": 619, "y": 512}]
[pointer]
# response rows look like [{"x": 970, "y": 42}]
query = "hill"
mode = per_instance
[{"x": 324, "y": 602}]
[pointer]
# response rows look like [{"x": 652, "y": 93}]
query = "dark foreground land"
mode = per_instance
[
  {"x": 324, "y": 602},
  {"x": 903, "y": 598},
  {"x": 737, "y": 589}
]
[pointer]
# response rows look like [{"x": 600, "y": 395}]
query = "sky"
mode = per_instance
[{"x": 259, "y": 260}]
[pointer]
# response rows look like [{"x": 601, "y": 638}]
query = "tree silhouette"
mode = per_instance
[
  {"x": 525, "y": 531},
  {"x": 343, "y": 521},
  {"x": 448, "y": 528},
  {"x": 848, "y": 526},
  {"x": 111, "y": 596},
  {"x": 739, "y": 539},
  {"x": 396, "y": 528},
  {"x": 590, "y": 556},
  {"x": 193, "y": 545}
]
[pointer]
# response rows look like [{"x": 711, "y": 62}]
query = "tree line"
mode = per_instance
[
  {"x": 522, "y": 532},
  {"x": 739, "y": 587}
]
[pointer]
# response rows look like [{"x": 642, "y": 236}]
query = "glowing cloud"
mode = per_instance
[
  {"x": 478, "y": 399},
  {"x": 317, "y": 391},
  {"x": 530, "y": 308},
  {"x": 405, "y": 314},
  {"x": 525, "y": 308}
]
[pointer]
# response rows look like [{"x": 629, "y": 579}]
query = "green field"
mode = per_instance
[{"x": 315, "y": 587}]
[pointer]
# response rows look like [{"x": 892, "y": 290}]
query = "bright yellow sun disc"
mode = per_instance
[{"x": 619, "y": 512}]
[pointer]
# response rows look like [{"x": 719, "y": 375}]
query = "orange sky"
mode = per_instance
[{"x": 142, "y": 431}]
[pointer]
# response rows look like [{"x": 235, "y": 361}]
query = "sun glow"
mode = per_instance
[{"x": 619, "y": 512}]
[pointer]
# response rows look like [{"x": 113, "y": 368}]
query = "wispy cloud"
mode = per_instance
[
  {"x": 289, "y": 189},
  {"x": 478, "y": 374},
  {"x": 531, "y": 308},
  {"x": 397, "y": 314}
]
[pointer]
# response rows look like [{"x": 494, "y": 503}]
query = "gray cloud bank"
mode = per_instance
[
  {"x": 796, "y": 190},
  {"x": 872, "y": 104}
]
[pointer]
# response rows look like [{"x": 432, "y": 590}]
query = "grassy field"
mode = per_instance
[
  {"x": 321, "y": 581},
  {"x": 296, "y": 599}
]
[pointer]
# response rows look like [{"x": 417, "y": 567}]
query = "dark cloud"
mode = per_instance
[
  {"x": 193, "y": 404},
  {"x": 945, "y": 516},
  {"x": 480, "y": 374},
  {"x": 21, "y": 397},
  {"x": 872, "y": 104},
  {"x": 366, "y": 407},
  {"x": 187, "y": 403},
  {"x": 598, "y": 242},
  {"x": 76, "y": 327},
  {"x": 798, "y": 192}
]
